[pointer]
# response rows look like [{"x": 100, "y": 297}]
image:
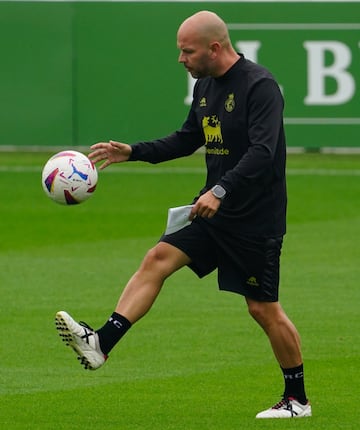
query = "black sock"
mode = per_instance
[
  {"x": 113, "y": 330},
  {"x": 294, "y": 383}
]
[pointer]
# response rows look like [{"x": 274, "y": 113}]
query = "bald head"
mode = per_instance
[
  {"x": 207, "y": 26},
  {"x": 205, "y": 47}
]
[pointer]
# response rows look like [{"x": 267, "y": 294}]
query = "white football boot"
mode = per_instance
[
  {"x": 82, "y": 339},
  {"x": 287, "y": 408}
]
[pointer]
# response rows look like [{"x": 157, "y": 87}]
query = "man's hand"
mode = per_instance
[
  {"x": 111, "y": 152},
  {"x": 206, "y": 206}
]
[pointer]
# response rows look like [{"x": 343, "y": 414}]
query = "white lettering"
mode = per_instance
[
  {"x": 190, "y": 89},
  {"x": 318, "y": 71},
  {"x": 116, "y": 323},
  {"x": 249, "y": 48}
]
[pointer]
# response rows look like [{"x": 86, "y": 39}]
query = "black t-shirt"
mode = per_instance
[{"x": 239, "y": 119}]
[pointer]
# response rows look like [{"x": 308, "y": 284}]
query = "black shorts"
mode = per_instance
[{"x": 246, "y": 265}]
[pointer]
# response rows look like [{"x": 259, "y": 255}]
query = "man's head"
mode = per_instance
[{"x": 205, "y": 47}]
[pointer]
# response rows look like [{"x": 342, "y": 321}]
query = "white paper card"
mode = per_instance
[{"x": 178, "y": 218}]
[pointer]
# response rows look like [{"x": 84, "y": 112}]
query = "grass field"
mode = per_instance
[{"x": 196, "y": 361}]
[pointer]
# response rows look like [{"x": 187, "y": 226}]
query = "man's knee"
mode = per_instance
[
  {"x": 155, "y": 254},
  {"x": 256, "y": 310},
  {"x": 153, "y": 258},
  {"x": 164, "y": 258},
  {"x": 264, "y": 312}
]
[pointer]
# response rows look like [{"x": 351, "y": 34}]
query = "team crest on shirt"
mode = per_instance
[{"x": 230, "y": 103}]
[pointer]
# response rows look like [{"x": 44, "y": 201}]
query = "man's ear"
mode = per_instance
[{"x": 214, "y": 49}]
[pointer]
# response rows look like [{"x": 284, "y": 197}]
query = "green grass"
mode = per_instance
[{"x": 196, "y": 361}]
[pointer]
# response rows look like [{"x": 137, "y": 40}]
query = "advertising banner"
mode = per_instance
[{"x": 74, "y": 73}]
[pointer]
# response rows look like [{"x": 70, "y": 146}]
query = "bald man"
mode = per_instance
[{"x": 238, "y": 218}]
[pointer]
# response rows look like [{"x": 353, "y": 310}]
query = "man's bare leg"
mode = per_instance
[
  {"x": 145, "y": 285},
  {"x": 285, "y": 341}
]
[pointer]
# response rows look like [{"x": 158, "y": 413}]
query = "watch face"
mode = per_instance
[{"x": 218, "y": 191}]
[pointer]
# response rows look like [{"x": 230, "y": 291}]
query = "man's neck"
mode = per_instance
[{"x": 226, "y": 63}]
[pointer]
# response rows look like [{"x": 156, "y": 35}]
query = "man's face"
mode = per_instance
[{"x": 194, "y": 54}]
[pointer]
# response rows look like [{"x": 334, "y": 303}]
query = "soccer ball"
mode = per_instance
[{"x": 69, "y": 177}]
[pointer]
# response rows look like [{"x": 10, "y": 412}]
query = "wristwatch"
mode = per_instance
[{"x": 218, "y": 191}]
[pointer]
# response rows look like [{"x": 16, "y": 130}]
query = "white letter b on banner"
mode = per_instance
[{"x": 318, "y": 71}]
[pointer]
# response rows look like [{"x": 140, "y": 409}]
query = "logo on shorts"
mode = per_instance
[{"x": 252, "y": 281}]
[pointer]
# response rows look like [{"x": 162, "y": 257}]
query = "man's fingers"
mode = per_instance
[
  {"x": 99, "y": 145},
  {"x": 104, "y": 164}
]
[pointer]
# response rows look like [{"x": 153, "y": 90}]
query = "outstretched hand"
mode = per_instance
[{"x": 111, "y": 152}]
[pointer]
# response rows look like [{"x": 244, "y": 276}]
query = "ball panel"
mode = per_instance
[
  {"x": 70, "y": 200},
  {"x": 50, "y": 180}
]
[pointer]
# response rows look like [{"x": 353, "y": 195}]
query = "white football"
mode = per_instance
[{"x": 69, "y": 177}]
